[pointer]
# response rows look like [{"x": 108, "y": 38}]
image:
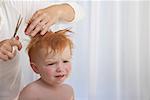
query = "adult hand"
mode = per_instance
[
  {"x": 44, "y": 18},
  {"x": 6, "y": 48}
]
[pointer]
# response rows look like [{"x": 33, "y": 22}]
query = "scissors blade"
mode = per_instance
[{"x": 18, "y": 25}]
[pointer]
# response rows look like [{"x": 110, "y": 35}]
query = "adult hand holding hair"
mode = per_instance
[{"x": 44, "y": 18}]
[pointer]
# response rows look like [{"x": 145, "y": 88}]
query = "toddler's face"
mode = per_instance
[{"x": 56, "y": 68}]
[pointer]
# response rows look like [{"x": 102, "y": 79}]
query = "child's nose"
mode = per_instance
[{"x": 60, "y": 67}]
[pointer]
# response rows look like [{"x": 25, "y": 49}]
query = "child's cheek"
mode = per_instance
[
  {"x": 48, "y": 71},
  {"x": 68, "y": 68}
]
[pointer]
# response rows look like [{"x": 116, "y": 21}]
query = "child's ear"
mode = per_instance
[{"x": 34, "y": 67}]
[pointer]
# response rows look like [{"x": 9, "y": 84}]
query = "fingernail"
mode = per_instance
[
  {"x": 20, "y": 47},
  {"x": 26, "y": 33},
  {"x": 17, "y": 37}
]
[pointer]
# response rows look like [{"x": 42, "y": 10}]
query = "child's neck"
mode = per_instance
[{"x": 45, "y": 84}]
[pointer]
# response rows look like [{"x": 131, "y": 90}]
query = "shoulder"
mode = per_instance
[
  {"x": 68, "y": 89},
  {"x": 28, "y": 92},
  {"x": 67, "y": 86}
]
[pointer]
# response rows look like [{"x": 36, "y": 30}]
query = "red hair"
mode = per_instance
[{"x": 51, "y": 42}]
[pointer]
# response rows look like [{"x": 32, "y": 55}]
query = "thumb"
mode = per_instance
[{"x": 15, "y": 42}]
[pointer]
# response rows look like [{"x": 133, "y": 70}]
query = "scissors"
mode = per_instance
[{"x": 18, "y": 25}]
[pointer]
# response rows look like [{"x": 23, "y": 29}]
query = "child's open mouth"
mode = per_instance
[{"x": 60, "y": 77}]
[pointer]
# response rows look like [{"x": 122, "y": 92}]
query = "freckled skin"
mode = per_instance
[
  {"x": 53, "y": 71},
  {"x": 48, "y": 73}
]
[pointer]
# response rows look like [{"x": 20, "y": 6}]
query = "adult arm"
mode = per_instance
[{"x": 44, "y": 18}]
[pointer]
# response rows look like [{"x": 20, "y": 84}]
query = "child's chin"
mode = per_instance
[{"x": 58, "y": 84}]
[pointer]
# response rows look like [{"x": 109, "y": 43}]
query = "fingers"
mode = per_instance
[
  {"x": 34, "y": 23},
  {"x": 3, "y": 57},
  {"x": 36, "y": 14},
  {"x": 50, "y": 23},
  {"x": 6, "y": 49},
  {"x": 41, "y": 21},
  {"x": 42, "y": 27},
  {"x": 17, "y": 43},
  {"x": 6, "y": 54},
  {"x": 45, "y": 29},
  {"x": 39, "y": 27}
]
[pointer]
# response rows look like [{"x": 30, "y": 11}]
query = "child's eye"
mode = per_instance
[
  {"x": 65, "y": 61},
  {"x": 51, "y": 64}
]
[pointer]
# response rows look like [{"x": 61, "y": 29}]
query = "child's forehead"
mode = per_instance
[{"x": 66, "y": 53}]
